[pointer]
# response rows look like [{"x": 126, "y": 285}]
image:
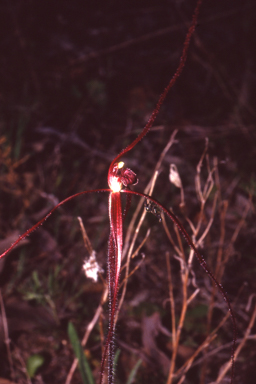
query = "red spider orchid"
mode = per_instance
[{"x": 120, "y": 177}]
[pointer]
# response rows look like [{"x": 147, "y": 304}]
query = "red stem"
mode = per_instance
[
  {"x": 46, "y": 217},
  {"x": 167, "y": 89}
]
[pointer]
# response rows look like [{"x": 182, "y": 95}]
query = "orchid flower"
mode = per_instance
[{"x": 120, "y": 179}]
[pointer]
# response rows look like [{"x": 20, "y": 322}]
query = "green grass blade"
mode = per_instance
[
  {"x": 84, "y": 367},
  {"x": 117, "y": 354},
  {"x": 134, "y": 372}
]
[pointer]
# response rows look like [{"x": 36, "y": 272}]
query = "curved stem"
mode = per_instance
[
  {"x": 177, "y": 73},
  {"x": 203, "y": 264},
  {"x": 27, "y": 233}
]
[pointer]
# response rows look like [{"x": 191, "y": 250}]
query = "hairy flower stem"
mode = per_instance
[{"x": 161, "y": 99}]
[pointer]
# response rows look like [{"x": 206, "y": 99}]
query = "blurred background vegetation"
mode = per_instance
[{"x": 78, "y": 81}]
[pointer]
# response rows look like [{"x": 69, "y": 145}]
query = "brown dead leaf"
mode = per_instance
[
  {"x": 150, "y": 328},
  {"x": 6, "y": 381}
]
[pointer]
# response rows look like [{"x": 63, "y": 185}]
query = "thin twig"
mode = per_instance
[
  {"x": 86, "y": 239},
  {"x": 172, "y": 301},
  {"x": 185, "y": 367},
  {"x": 227, "y": 366},
  {"x": 148, "y": 189},
  {"x": 6, "y": 336}
]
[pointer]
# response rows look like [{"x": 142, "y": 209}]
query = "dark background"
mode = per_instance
[{"x": 78, "y": 81}]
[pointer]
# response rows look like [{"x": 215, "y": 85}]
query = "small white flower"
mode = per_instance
[{"x": 92, "y": 268}]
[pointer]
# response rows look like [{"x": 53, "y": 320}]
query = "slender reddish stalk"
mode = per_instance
[
  {"x": 181, "y": 65},
  {"x": 29, "y": 231}
]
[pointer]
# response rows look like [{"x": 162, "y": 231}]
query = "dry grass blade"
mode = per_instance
[
  {"x": 131, "y": 243},
  {"x": 203, "y": 193},
  {"x": 6, "y": 335},
  {"x": 226, "y": 367}
]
